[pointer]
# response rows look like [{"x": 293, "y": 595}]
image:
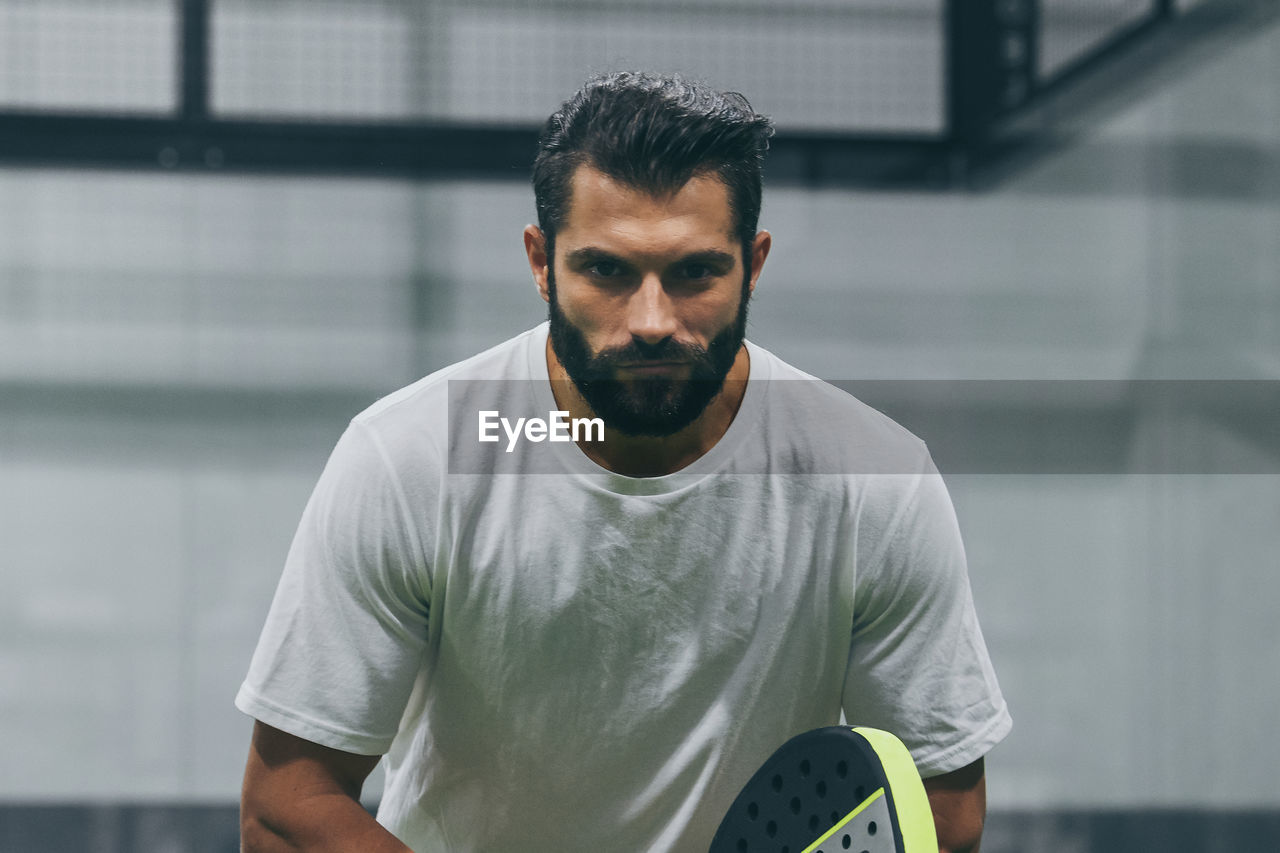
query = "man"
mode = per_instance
[{"x": 591, "y": 644}]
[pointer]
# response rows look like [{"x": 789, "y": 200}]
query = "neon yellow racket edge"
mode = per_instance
[{"x": 829, "y": 790}]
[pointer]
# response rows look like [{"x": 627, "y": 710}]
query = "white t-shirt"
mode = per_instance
[{"x": 557, "y": 657}]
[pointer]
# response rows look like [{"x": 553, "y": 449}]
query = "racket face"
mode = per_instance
[{"x": 825, "y": 790}]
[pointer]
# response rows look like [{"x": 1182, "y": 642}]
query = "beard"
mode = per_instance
[{"x": 652, "y": 406}]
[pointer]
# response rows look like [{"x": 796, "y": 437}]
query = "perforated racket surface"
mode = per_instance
[{"x": 830, "y": 790}]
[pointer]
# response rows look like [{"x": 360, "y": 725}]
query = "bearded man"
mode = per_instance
[{"x": 591, "y": 644}]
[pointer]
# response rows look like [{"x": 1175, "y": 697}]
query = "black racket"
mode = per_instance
[{"x": 829, "y": 790}]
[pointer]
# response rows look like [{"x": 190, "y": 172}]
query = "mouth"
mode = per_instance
[
  {"x": 647, "y": 368},
  {"x": 652, "y": 365}
]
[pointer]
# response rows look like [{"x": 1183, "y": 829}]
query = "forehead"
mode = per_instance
[{"x": 605, "y": 211}]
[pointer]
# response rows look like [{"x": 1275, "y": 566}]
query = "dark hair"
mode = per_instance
[{"x": 652, "y": 132}]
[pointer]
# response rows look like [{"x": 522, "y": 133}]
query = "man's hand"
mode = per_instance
[
  {"x": 959, "y": 803},
  {"x": 300, "y": 796}
]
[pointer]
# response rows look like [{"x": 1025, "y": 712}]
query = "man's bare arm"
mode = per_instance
[
  {"x": 959, "y": 803},
  {"x": 300, "y": 796}
]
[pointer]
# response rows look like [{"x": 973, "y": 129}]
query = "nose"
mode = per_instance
[{"x": 651, "y": 314}]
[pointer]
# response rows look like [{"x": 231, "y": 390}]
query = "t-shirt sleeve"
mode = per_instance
[
  {"x": 918, "y": 664},
  {"x": 347, "y": 629}
]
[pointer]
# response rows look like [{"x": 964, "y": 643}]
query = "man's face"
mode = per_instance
[{"x": 648, "y": 300}]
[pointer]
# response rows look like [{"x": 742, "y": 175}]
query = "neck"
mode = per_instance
[{"x": 648, "y": 456}]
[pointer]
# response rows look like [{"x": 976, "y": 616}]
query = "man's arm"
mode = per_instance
[
  {"x": 300, "y": 796},
  {"x": 959, "y": 803}
]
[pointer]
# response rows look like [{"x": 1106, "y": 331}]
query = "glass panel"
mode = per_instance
[
  {"x": 819, "y": 65},
  {"x": 89, "y": 55}
]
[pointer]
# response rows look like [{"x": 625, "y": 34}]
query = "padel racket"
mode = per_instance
[{"x": 829, "y": 790}]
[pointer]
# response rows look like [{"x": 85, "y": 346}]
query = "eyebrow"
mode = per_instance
[{"x": 711, "y": 257}]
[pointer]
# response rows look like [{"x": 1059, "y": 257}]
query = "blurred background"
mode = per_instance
[{"x": 226, "y": 226}]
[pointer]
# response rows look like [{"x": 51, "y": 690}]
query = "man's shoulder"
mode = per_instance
[
  {"x": 427, "y": 399},
  {"x": 824, "y": 422},
  {"x": 412, "y": 426}
]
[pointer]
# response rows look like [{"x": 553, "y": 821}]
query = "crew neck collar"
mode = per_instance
[{"x": 574, "y": 461}]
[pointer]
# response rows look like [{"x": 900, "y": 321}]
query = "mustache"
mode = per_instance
[{"x": 640, "y": 351}]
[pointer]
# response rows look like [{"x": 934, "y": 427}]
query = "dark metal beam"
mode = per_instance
[
  {"x": 193, "y": 59},
  {"x": 399, "y": 150},
  {"x": 1117, "y": 44},
  {"x": 992, "y": 52},
  {"x": 139, "y": 142}
]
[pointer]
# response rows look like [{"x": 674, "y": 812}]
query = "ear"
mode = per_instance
[
  {"x": 535, "y": 246},
  {"x": 759, "y": 252}
]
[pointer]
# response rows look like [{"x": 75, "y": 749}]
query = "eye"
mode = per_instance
[
  {"x": 698, "y": 271},
  {"x": 605, "y": 269}
]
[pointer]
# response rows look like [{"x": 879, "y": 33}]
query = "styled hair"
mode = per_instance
[{"x": 652, "y": 132}]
